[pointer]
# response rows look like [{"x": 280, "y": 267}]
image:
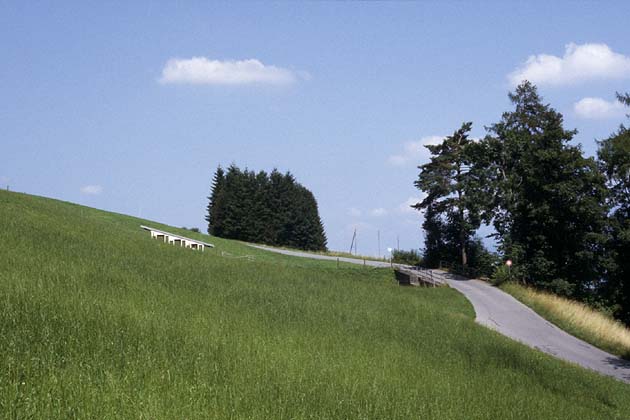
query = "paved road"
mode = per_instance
[
  {"x": 322, "y": 257},
  {"x": 501, "y": 312}
]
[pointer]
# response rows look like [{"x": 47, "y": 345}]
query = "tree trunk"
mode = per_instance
[
  {"x": 462, "y": 232},
  {"x": 463, "y": 245}
]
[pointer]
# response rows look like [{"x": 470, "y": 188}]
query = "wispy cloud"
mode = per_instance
[
  {"x": 414, "y": 151},
  {"x": 378, "y": 212},
  {"x": 354, "y": 212},
  {"x": 598, "y": 108},
  {"x": 405, "y": 206},
  {"x": 201, "y": 70},
  {"x": 578, "y": 64},
  {"x": 91, "y": 189}
]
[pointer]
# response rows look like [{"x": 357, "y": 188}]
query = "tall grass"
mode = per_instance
[
  {"x": 576, "y": 318},
  {"x": 97, "y": 320}
]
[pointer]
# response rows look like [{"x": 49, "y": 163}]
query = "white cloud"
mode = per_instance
[
  {"x": 580, "y": 63},
  {"x": 354, "y": 212},
  {"x": 598, "y": 108},
  {"x": 405, "y": 206},
  {"x": 92, "y": 189},
  {"x": 201, "y": 70},
  {"x": 414, "y": 151},
  {"x": 378, "y": 212}
]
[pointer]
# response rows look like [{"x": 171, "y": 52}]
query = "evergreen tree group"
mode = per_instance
[
  {"x": 563, "y": 219},
  {"x": 269, "y": 208}
]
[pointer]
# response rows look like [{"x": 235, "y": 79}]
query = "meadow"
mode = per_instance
[{"x": 99, "y": 321}]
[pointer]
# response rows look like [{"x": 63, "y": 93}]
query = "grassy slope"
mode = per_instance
[
  {"x": 99, "y": 321},
  {"x": 576, "y": 318}
]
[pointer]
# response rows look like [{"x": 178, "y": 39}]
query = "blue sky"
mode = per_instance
[{"x": 130, "y": 107}]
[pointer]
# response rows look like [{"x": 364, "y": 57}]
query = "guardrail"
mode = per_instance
[{"x": 417, "y": 276}]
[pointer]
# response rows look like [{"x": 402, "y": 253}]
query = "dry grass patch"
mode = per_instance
[{"x": 576, "y": 318}]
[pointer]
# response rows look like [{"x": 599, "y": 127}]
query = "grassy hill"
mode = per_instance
[{"x": 97, "y": 320}]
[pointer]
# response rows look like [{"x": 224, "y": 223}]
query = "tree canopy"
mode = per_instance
[
  {"x": 452, "y": 202},
  {"x": 561, "y": 217},
  {"x": 614, "y": 160},
  {"x": 272, "y": 208},
  {"x": 548, "y": 199}
]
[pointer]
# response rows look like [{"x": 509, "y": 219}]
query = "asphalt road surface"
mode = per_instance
[
  {"x": 499, "y": 311},
  {"x": 322, "y": 257}
]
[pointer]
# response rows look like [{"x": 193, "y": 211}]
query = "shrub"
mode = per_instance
[
  {"x": 560, "y": 287},
  {"x": 502, "y": 273},
  {"x": 411, "y": 257}
]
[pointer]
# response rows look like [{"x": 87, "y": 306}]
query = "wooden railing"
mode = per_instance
[{"x": 417, "y": 276}]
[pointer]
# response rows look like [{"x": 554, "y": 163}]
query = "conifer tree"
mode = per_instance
[
  {"x": 215, "y": 204},
  {"x": 234, "y": 211},
  {"x": 614, "y": 160},
  {"x": 447, "y": 181},
  {"x": 547, "y": 196},
  {"x": 435, "y": 248},
  {"x": 264, "y": 208}
]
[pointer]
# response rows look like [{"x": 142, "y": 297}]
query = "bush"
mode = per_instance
[
  {"x": 411, "y": 257},
  {"x": 560, "y": 287},
  {"x": 502, "y": 273},
  {"x": 481, "y": 260}
]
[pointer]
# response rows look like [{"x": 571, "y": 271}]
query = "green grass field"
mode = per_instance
[{"x": 99, "y": 321}]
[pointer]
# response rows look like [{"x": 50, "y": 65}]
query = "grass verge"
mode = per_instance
[{"x": 576, "y": 318}]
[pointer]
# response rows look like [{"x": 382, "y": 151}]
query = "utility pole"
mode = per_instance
[
  {"x": 378, "y": 234},
  {"x": 353, "y": 243},
  {"x": 397, "y": 243}
]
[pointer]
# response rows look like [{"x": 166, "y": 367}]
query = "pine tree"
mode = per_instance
[
  {"x": 547, "y": 196},
  {"x": 435, "y": 248},
  {"x": 448, "y": 184},
  {"x": 264, "y": 208},
  {"x": 234, "y": 210},
  {"x": 261, "y": 223},
  {"x": 215, "y": 206},
  {"x": 614, "y": 160}
]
